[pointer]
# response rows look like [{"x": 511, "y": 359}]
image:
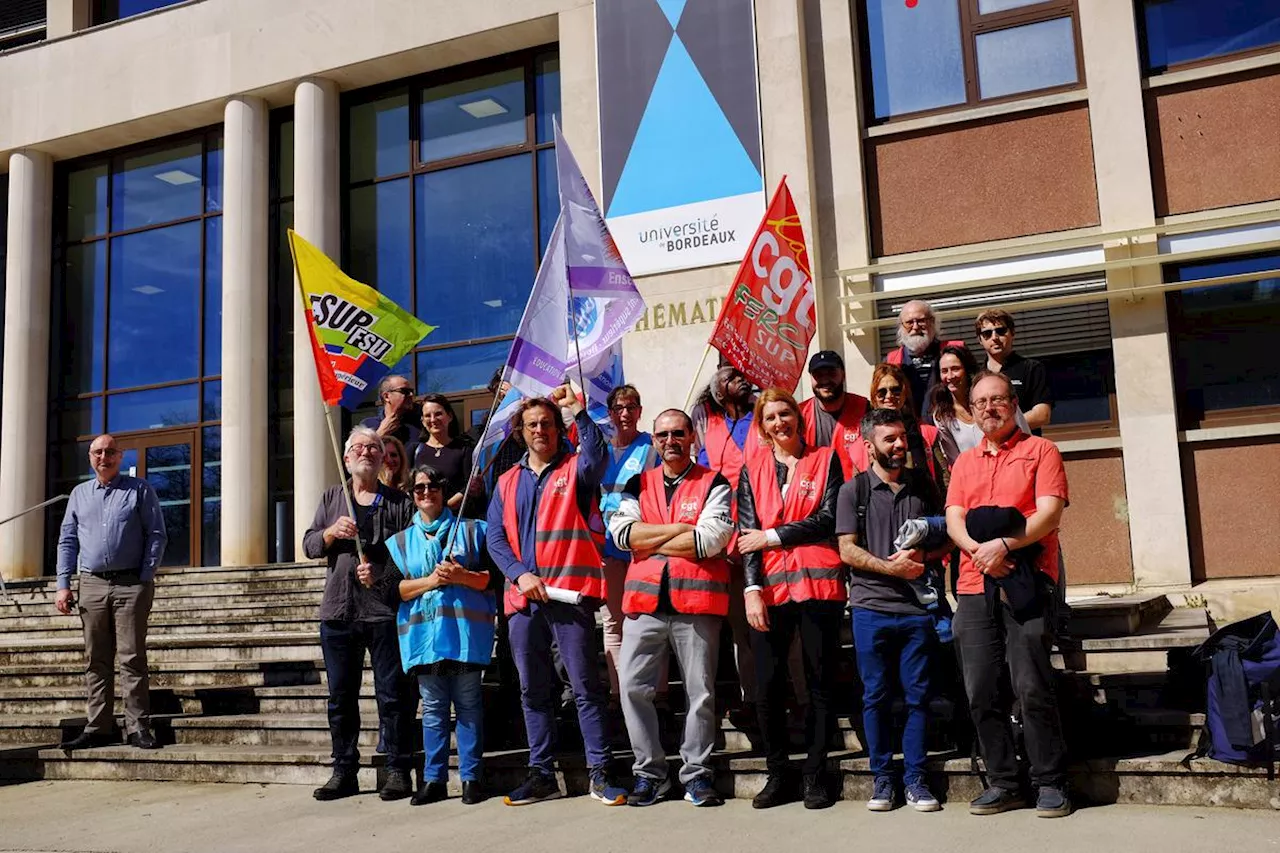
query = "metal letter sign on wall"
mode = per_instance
[{"x": 679, "y": 130}]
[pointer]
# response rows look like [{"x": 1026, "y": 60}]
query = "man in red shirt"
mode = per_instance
[{"x": 1020, "y": 474}]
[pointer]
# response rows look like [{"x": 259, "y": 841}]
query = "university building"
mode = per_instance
[{"x": 1105, "y": 169}]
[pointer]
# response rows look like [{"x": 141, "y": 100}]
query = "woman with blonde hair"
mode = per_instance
[
  {"x": 395, "y": 465},
  {"x": 795, "y": 582}
]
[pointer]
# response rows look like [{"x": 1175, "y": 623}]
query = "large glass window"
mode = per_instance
[
  {"x": 113, "y": 10},
  {"x": 450, "y": 201},
  {"x": 1224, "y": 339},
  {"x": 1175, "y": 32},
  {"x": 138, "y": 302},
  {"x": 927, "y": 55},
  {"x": 282, "y": 314}
]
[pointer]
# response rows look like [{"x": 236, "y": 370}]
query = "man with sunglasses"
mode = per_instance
[
  {"x": 398, "y": 417},
  {"x": 675, "y": 522},
  {"x": 113, "y": 533},
  {"x": 918, "y": 350},
  {"x": 995, "y": 329}
]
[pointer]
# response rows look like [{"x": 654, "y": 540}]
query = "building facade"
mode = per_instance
[{"x": 1105, "y": 169}]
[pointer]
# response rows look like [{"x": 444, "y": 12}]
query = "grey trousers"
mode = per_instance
[
  {"x": 114, "y": 613},
  {"x": 646, "y": 641}
]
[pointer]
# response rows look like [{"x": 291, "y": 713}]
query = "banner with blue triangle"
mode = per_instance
[{"x": 679, "y": 130}]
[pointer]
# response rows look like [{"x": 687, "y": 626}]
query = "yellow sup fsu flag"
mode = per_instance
[{"x": 357, "y": 334}]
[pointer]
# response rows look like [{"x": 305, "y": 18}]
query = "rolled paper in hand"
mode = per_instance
[{"x": 564, "y": 596}]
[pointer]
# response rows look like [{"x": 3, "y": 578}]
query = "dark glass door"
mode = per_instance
[{"x": 166, "y": 460}]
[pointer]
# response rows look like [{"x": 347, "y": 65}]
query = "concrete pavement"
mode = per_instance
[{"x": 149, "y": 817}]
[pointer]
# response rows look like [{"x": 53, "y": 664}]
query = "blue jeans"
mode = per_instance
[
  {"x": 887, "y": 641},
  {"x": 463, "y": 692}
]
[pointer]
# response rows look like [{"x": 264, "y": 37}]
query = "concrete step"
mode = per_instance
[
  {"x": 270, "y": 729},
  {"x": 270, "y": 646},
  {"x": 245, "y": 609},
  {"x": 172, "y": 624},
  {"x": 234, "y": 583},
  {"x": 172, "y": 674},
  {"x": 1148, "y": 650},
  {"x": 1110, "y": 616}
]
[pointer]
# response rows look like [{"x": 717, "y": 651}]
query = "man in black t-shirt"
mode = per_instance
[
  {"x": 893, "y": 632},
  {"x": 995, "y": 330}
]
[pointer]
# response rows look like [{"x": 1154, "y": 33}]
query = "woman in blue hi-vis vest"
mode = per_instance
[{"x": 446, "y": 627}]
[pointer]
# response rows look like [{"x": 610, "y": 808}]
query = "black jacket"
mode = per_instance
[{"x": 1022, "y": 587}]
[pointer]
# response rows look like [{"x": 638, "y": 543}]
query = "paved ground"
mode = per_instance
[{"x": 150, "y": 817}]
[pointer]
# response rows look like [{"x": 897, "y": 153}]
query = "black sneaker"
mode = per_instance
[
  {"x": 398, "y": 785},
  {"x": 1052, "y": 802},
  {"x": 774, "y": 793},
  {"x": 430, "y": 792},
  {"x": 815, "y": 792},
  {"x": 995, "y": 800},
  {"x": 537, "y": 787},
  {"x": 341, "y": 784}
]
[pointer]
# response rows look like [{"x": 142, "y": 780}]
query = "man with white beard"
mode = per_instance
[{"x": 919, "y": 350}]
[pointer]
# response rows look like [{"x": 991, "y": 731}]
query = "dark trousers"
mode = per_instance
[
  {"x": 986, "y": 642},
  {"x": 344, "y": 645},
  {"x": 572, "y": 627},
  {"x": 819, "y": 625}
]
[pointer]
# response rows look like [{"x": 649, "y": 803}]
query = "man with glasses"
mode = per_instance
[
  {"x": 114, "y": 534},
  {"x": 358, "y": 614},
  {"x": 918, "y": 350},
  {"x": 1006, "y": 596},
  {"x": 675, "y": 522},
  {"x": 398, "y": 417},
  {"x": 630, "y": 453},
  {"x": 540, "y": 536},
  {"x": 995, "y": 330}
]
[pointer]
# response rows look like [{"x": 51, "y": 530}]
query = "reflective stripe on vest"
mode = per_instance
[
  {"x": 566, "y": 551},
  {"x": 846, "y": 435},
  {"x": 801, "y": 572},
  {"x": 694, "y": 586},
  {"x": 446, "y": 611}
]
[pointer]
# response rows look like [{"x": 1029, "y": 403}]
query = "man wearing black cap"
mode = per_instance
[{"x": 832, "y": 415}]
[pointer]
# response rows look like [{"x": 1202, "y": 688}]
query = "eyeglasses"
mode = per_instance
[
  {"x": 890, "y": 391},
  {"x": 669, "y": 434},
  {"x": 991, "y": 402},
  {"x": 918, "y": 321},
  {"x": 625, "y": 407},
  {"x": 366, "y": 449},
  {"x": 997, "y": 330},
  {"x": 423, "y": 488},
  {"x": 546, "y": 426},
  {"x": 110, "y": 451},
  {"x": 408, "y": 392}
]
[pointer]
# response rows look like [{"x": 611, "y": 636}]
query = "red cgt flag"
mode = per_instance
[{"x": 768, "y": 319}]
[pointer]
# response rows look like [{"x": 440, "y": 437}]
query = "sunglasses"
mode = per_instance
[
  {"x": 998, "y": 330},
  {"x": 891, "y": 391},
  {"x": 669, "y": 434},
  {"x": 423, "y": 488}
]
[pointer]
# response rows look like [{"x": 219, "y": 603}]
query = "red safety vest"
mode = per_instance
[
  {"x": 846, "y": 437},
  {"x": 566, "y": 549},
  {"x": 895, "y": 355},
  {"x": 723, "y": 453},
  {"x": 695, "y": 586},
  {"x": 862, "y": 461},
  {"x": 801, "y": 572}
]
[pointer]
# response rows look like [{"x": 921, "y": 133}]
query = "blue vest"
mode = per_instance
[
  {"x": 639, "y": 456},
  {"x": 451, "y": 622}
]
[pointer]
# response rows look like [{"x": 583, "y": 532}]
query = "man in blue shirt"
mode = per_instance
[{"x": 113, "y": 531}]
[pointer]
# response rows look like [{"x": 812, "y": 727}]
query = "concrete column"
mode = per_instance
[
  {"x": 579, "y": 103},
  {"x": 24, "y": 429},
  {"x": 316, "y": 204},
  {"x": 64, "y": 17},
  {"x": 1139, "y": 327},
  {"x": 244, "y": 332}
]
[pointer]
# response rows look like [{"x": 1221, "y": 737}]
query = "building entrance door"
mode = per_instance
[{"x": 166, "y": 460}]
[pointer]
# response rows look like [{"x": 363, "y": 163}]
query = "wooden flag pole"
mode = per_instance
[
  {"x": 476, "y": 472},
  {"x": 693, "y": 386}
]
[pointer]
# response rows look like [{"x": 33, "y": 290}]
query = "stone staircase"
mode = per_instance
[{"x": 238, "y": 694}]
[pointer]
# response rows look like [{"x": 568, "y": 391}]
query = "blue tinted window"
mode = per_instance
[
  {"x": 87, "y": 202},
  {"x": 475, "y": 251},
  {"x": 79, "y": 417},
  {"x": 213, "y": 176},
  {"x": 211, "y": 407},
  {"x": 157, "y": 187},
  {"x": 1022, "y": 59},
  {"x": 1223, "y": 337},
  {"x": 916, "y": 57},
  {"x": 379, "y": 236},
  {"x": 1082, "y": 384},
  {"x": 473, "y": 115},
  {"x": 155, "y": 304},
  {"x": 137, "y": 7},
  {"x": 547, "y": 93},
  {"x": 379, "y": 138},
  {"x": 211, "y": 496},
  {"x": 460, "y": 368},
  {"x": 79, "y": 343},
  {"x": 213, "y": 296},
  {"x": 548, "y": 197},
  {"x": 160, "y": 407},
  {"x": 1178, "y": 31}
]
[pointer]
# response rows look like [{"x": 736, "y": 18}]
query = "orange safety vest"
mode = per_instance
[
  {"x": 895, "y": 355},
  {"x": 862, "y": 461},
  {"x": 695, "y": 586},
  {"x": 566, "y": 549},
  {"x": 846, "y": 437},
  {"x": 801, "y": 572}
]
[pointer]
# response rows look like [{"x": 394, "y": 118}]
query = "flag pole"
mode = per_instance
[
  {"x": 328, "y": 410},
  {"x": 693, "y": 386},
  {"x": 466, "y": 492}
]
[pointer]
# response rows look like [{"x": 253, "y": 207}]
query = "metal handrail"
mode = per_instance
[{"x": 4, "y": 590}]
